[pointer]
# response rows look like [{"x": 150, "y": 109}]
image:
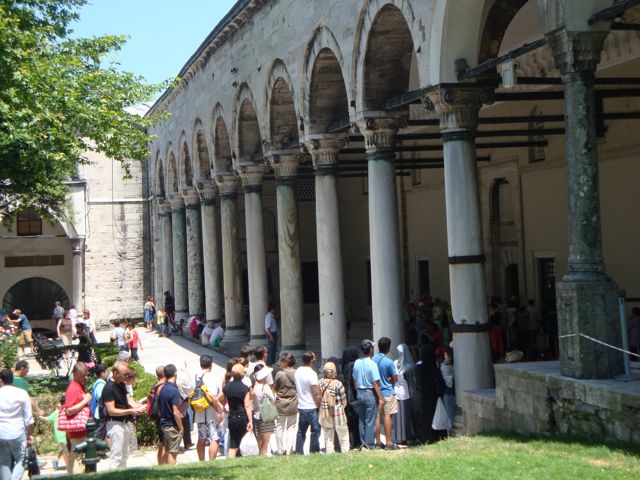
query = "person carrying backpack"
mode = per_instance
[
  {"x": 153, "y": 410},
  {"x": 96, "y": 400},
  {"x": 207, "y": 409}
]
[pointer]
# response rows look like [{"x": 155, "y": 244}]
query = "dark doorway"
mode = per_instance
[
  {"x": 36, "y": 297},
  {"x": 423, "y": 277},
  {"x": 547, "y": 283},
  {"x": 310, "y": 285},
  {"x": 511, "y": 287}
]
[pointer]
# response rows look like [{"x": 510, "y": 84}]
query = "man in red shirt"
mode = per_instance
[{"x": 76, "y": 398}]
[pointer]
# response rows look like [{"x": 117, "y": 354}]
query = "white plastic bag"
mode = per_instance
[
  {"x": 440, "y": 418},
  {"x": 249, "y": 445}
]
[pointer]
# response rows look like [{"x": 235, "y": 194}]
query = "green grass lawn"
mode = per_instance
[{"x": 491, "y": 457}]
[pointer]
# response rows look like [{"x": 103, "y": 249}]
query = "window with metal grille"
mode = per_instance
[
  {"x": 423, "y": 276},
  {"x": 547, "y": 282},
  {"x": 29, "y": 223},
  {"x": 416, "y": 177},
  {"x": 536, "y": 152},
  {"x": 306, "y": 189},
  {"x": 33, "y": 261}
]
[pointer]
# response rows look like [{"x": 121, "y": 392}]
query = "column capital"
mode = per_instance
[
  {"x": 380, "y": 132},
  {"x": 324, "y": 152},
  {"x": 176, "y": 201},
  {"x": 208, "y": 193},
  {"x": 458, "y": 105},
  {"x": 191, "y": 198},
  {"x": 576, "y": 52},
  {"x": 77, "y": 245},
  {"x": 164, "y": 207},
  {"x": 251, "y": 177},
  {"x": 227, "y": 184},
  {"x": 285, "y": 164}
]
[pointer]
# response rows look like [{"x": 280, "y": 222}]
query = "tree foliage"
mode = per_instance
[{"x": 59, "y": 99}]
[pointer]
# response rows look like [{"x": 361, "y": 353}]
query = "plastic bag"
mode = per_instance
[
  {"x": 249, "y": 445},
  {"x": 441, "y": 420}
]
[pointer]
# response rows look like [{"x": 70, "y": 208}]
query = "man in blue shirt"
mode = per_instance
[
  {"x": 366, "y": 379},
  {"x": 25, "y": 336},
  {"x": 170, "y": 420},
  {"x": 388, "y": 377}
]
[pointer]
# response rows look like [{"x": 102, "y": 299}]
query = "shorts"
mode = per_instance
[
  {"x": 171, "y": 437},
  {"x": 26, "y": 336},
  {"x": 208, "y": 431},
  {"x": 390, "y": 406},
  {"x": 260, "y": 427}
]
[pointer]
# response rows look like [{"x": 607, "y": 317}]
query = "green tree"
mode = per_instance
[{"x": 60, "y": 97}]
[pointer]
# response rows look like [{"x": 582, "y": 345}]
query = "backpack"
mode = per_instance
[
  {"x": 94, "y": 404},
  {"x": 200, "y": 399},
  {"x": 153, "y": 407}
]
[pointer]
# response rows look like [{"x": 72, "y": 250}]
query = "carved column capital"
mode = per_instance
[
  {"x": 208, "y": 193},
  {"x": 380, "y": 132},
  {"x": 457, "y": 106},
  {"x": 176, "y": 201},
  {"x": 164, "y": 207},
  {"x": 227, "y": 184},
  {"x": 576, "y": 52},
  {"x": 285, "y": 164},
  {"x": 251, "y": 177},
  {"x": 77, "y": 245},
  {"x": 324, "y": 152},
  {"x": 191, "y": 198}
]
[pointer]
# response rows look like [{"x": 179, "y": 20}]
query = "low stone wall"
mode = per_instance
[{"x": 534, "y": 397}]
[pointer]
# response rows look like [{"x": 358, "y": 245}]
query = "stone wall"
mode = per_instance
[{"x": 535, "y": 398}]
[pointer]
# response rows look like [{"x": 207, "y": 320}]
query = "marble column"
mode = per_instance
[
  {"x": 232, "y": 273},
  {"x": 251, "y": 177},
  {"x": 210, "y": 257},
  {"x": 195, "y": 271},
  {"x": 458, "y": 110},
  {"x": 586, "y": 296},
  {"x": 77, "y": 295},
  {"x": 333, "y": 325},
  {"x": 384, "y": 236},
  {"x": 156, "y": 238},
  {"x": 167, "y": 250},
  {"x": 285, "y": 167},
  {"x": 179, "y": 245}
]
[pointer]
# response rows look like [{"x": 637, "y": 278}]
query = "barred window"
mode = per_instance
[
  {"x": 536, "y": 153},
  {"x": 306, "y": 189},
  {"x": 29, "y": 223}
]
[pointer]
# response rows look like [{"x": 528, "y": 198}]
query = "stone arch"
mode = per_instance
[
  {"x": 281, "y": 118},
  {"x": 159, "y": 189},
  {"x": 173, "y": 187},
  {"x": 222, "y": 160},
  {"x": 35, "y": 296},
  {"x": 384, "y": 52},
  {"x": 202, "y": 160},
  {"x": 323, "y": 68},
  {"x": 247, "y": 128},
  {"x": 185, "y": 167}
]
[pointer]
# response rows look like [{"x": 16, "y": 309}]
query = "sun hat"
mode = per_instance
[{"x": 263, "y": 373}]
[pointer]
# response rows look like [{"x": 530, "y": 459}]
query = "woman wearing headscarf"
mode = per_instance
[
  {"x": 349, "y": 356},
  {"x": 404, "y": 388},
  {"x": 429, "y": 387},
  {"x": 333, "y": 400}
]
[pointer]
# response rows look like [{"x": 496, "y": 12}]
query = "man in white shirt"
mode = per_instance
[
  {"x": 16, "y": 425},
  {"x": 208, "y": 419},
  {"x": 308, "y": 404},
  {"x": 73, "y": 316},
  {"x": 271, "y": 330}
]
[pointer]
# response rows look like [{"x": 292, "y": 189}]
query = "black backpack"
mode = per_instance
[{"x": 153, "y": 402}]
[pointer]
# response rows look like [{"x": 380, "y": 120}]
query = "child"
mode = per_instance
[
  {"x": 161, "y": 320},
  {"x": 133, "y": 341},
  {"x": 59, "y": 437}
]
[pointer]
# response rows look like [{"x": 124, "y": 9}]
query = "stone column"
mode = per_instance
[
  {"x": 210, "y": 257},
  {"x": 285, "y": 166},
  {"x": 384, "y": 239},
  {"x": 232, "y": 273},
  {"x": 256, "y": 256},
  {"x": 178, "y": 232},
  {"x": 156, "y": 238},
  {"x": 77, "y": 297},
  {"x": 458, "y": 109},
  {"x": 586, "y": 296},
  {"x": 195, "y": 271},
  {"x": 333, "y": 326},
  {"x": 167, "y": 250}
]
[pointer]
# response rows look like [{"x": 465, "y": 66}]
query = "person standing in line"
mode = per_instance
[
  {"x": 209, "y": 419},
  {"x": 366, "y": 378},
  {"x": 149, "y": 310},
  {"x": 133, "y": 341},
  {"x": 429, "y": 386},
  {"x": 404, "y": 388},
  {"x": 449, "y": 397},
  {"x": 25, "y": 333},
  {"x": 56, "y": 315},
  {"x": 308, "y": 404},
  {"x": 388, "y": 378},
  {"x": 237, "y": 396},
  {"x": 349, "y": 356},
  {"x": 170, "y": 420},
  {"x": 76, "y": 398},
  {"x": 260, "y": 353},
  {"x": 284, "y": 387},
  {"x": 271, "y": 329},
  {"x": 262, "y": 429},
  {"x": 16, "y": 427},
  {"x": 96, "y": 395},
  {"x": 91, "y": 325},
  {"x": 119, "y": 415},
  {"x": 332, "y": 404}
]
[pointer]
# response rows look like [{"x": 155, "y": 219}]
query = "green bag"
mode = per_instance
[{"x": 268, "y": 411}]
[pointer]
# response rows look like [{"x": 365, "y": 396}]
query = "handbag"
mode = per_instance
[
  {"x": 268, "y": 411},
  {"x": 33, "y": 467},
  {"x": 74, "y": 423},
  {"x": 441, "y": 420}
]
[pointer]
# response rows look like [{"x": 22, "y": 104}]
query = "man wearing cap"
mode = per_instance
[
  {"x": 388, "y": 377},
  {"x": 366, "y": 379}
]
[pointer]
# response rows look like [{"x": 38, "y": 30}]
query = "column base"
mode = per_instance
[
  {"x": 257, "y": 340},
  {"x": 589, "y": 308},
  {"x": 235, "y": 334},
  {"x": 473, "y": 367}
]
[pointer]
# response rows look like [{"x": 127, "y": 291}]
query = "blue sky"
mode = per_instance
[{"x": 163, "y": 33}]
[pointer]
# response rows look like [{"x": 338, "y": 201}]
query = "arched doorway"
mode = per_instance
[{"x": 36, "y": 297}]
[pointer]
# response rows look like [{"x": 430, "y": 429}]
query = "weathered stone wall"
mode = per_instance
[{"x": 534, "y": 397}]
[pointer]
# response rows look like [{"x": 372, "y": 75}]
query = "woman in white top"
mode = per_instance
[
  {"x": 262, "y": 429},
  {"x": 91, "y": 325},
  {"x": 403, "y": 431}
]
